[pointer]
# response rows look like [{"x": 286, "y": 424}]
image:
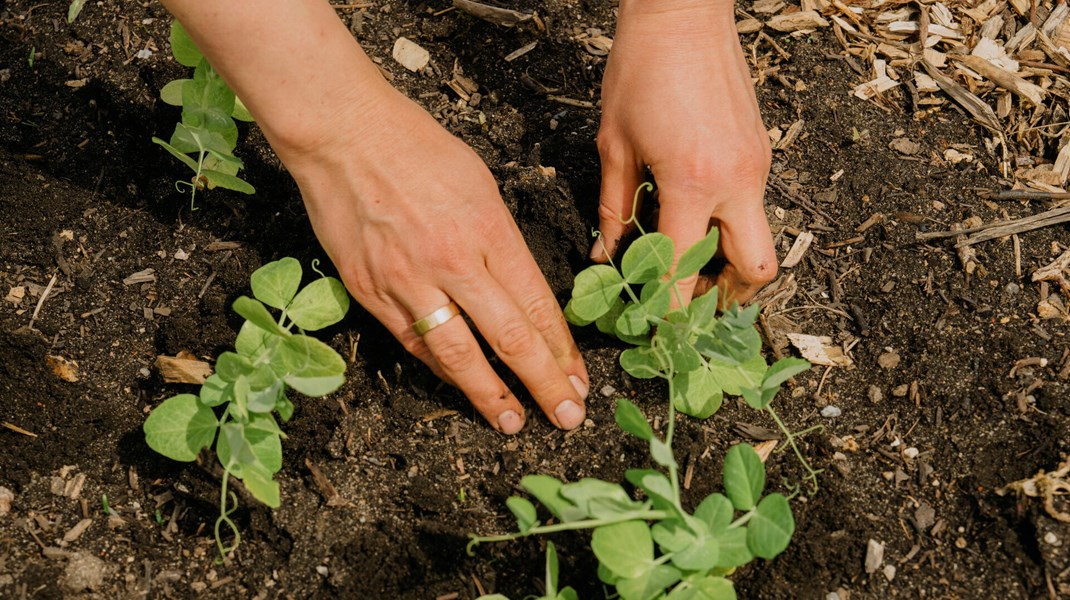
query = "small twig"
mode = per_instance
[
  {"x": 572, "y": 102},
  {"x": 41, "y": 301},
  {"x": 795, "y": 198},
  {"x": 1024, "y": 195},
  {"x": 17, "y": 429}
]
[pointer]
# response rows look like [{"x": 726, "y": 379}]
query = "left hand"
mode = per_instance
[{"x": 677, "y": 96}]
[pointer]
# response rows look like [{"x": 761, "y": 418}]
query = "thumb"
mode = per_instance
[{"x": 620, "y": 178}]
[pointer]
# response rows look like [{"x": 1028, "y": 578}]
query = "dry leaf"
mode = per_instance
[
  {"x": 16, "y": 294},
  {"x": 178, "y": 369},
  {"x": 67, "y": 370},
  {"x": 905, "y": 146},
  {"x": 797, "y": 21},
  {"x": 820, "y": 350}
]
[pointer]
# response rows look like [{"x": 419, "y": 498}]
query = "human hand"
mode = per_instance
[
  {"x": 677, "y": 96},
  {"x": 412, "y": 219}
]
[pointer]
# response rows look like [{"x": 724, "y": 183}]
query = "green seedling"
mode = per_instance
[
  {"x": 73, "y": 10},
  {"x": 552, "y": 593},
  {"x": 105, "y": 507},
  {"x": 206, "y": 137},
  {"x": 249, "y": 386},
  {"x": 654, "y": 548}
]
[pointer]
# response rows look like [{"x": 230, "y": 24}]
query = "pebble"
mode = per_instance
[
  {"x": 607, "y": 390},
  {"x": 322, "y": 570},
  {"x": 84, "y": 572},
  {"x": 910, "y": 453},
  {"x": 874, "y": 556},
  {"x": 960, "y": 543},
  {"x": 831, "y": 412},
  {"x": 1051, "y": 538},
  {"x": 144, "y": 53},
  {"x": 889, "y": 572},
  {"x": 6, "y": 498},
  {"x": 875, "y": 394}
]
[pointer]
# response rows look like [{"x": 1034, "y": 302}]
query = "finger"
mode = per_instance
[
  {"x": 527, "y": 285},
  {"x": 747, "y": 244},
  {"x": 683, "y": 216},
  {"x": 398, "y": 321},
  {"x": 523, "y": 349},
  {"x": 460, "y": 358},
  {"x": 621, "y": 175}
]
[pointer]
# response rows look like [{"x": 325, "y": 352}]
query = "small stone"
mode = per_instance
[
  {"x": 889, "y": 572},
  {"x": 924, "y": 517},
  {"x": 888, "y": 360},
  {"x": 900, "y": 390},
  {"x": 198, "y": 586},
  {"x": 607, "y": 390},
  {"x": 875, "y": 394},
  {"x": 322, "y": 570},
  {"x": 831, "y": 412},
  {"x": 1051, "y": 539},
  {"x": 874, "y": 556},
  {"x": 910, "y": 453},
  {"x": 84, "y": 572},
  {"x": 6, "y": 498},
  {"x": 410, "y": 54},
  {"x": 960, "y": 543},
  {"x": 144, "y": 53},
  {"x": 1012, "y": 289},
  {"x": 181, "y": 255}
]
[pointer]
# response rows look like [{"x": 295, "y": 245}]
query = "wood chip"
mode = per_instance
[
  {"x": 978, "y": 109},
  {"x": 1058, "y": 272},
  {"x": 798, "y": 249},
  {"x": 143, "y": 276},
  {"x": 76, "y": 532},
  {"x": 798, "y": 21},
  {"x": 65, "y": 369},
  {"x": 177, "y": 369},
  {"x": 791, "y": 135},
  {"x": 438, "y": 414},
  {"x": 749, "y": 25},
  {"x": 410, "y": 55},
  {"x": 515, "y": 54},
  {"x": 905, "y": 146},
  {"x": 16, "y": 294},
  {"x": 1000, "y": 229},
  {"x": 1005, "y": 79},
  {"x": 820, "y": 350},
  {"x": 492, "y": 14}
]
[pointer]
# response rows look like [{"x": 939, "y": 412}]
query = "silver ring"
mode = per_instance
[{"x": 440, "y": 316}]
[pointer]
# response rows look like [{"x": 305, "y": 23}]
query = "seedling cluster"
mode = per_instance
[
  {"x": 653, "y": 548},
  {"x": 250, "y": 384},
  {"x": 206, "y": 137}
]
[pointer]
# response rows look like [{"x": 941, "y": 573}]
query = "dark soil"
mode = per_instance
[{"x": 86, "y": 197}]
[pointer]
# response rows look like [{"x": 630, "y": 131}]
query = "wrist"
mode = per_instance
[{"x": 682, "y": 8}]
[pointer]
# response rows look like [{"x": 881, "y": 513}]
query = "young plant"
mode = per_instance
[
  {"x": 552, "y": 593},
  {"x": 206, "y": 137},
  {"x": 654, "y": 548},
  {"x": 250, "y": 384}
]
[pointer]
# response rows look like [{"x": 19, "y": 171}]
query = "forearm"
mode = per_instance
[{"x": 292, "y": 62}]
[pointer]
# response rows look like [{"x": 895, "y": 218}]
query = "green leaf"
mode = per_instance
[
  {"x": 74, "y": 9},
  {"x": 186, "y": 160},
  {"x": 656, "y": 485},
  {"x": 524, "y": 511},
  {"x": 631, "y": 420},
  {"x": 783, "y": 370},
  {"x": 696, "y": 257},
  {"x": 547, "y": 490},
  {"x": 744, "y": 476},
  {"x": 675, "y": 339},
  {"x": 194, "y": 138},
  {"x": 262, "y": 487},
  {"x": 672, "y": 535},
  {"x": 214, "y": 391},
  {"x": 770, "y": 529},
  {"x": 732, "y": 379},
  {"x": 321, "y": 303},
  {"x": 284, "y": 407},
  {"x": 656, "y": 296},
  {"x": 633, "y": 321},
  {"x": 207, "y": 92},
  {"x": 219, "y": 179},
  {"x": 263, "y": 400},
  {"x": 626, "y": 549},
  {"x": 180, "y": 427},
  {"x": 182, "y": 46},
  {"x": 734, "y": 550},
  {"x": 255, "y": 311},
  {"x": 696, "y": 393},
  {"x": 640, "y": 363},
  {"x": 662, "y": 453},
  {"x": 599, "y": 499},
  {"x": 650, "y": 584},
  {"x": 716, "y": 512},
  {"x": 307, "y": 357},
  {"x": 315, "y": 387},
  {"x": 759, "y": 398},
  {"x": 711, "y": 587},
  {"x": 276, "y": 283},
  {"x": 607, "y": 323},
  {"x": 596, "y": 290},
  {"x": 242, "y": 448},
  {"x": 241, "y": 112},
  {"x": 702, "y": 554},
  {"x": 551, "y": 570},
  {"x": 702, "y": 312},
  {"x": 251, "y": 339},
  {"x": 230, "y": 365},
  {"x": 172, "y": 92},
  {"x": 648, "y": 258},
  {"x": 571, "y": 316}
]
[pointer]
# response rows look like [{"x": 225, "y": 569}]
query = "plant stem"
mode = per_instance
[
  {"x": 650, "y": 515},
  {"x": 812, "y": 474}
]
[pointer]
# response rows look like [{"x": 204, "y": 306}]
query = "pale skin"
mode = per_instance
[{"x": 412, "y": 218}]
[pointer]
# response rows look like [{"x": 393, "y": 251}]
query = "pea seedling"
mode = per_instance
[
  {"x": 206, "y": 137},
  {"x": 654, "y": 548},
  {"x": 250, "y": 384}
]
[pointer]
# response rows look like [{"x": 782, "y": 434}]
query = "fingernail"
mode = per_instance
[
  {"x": 599, "y": 250},
  {"x": 569, "y": 414},
  {"x": 581, "y": 387},
  {"x": 510, "y": 422}
]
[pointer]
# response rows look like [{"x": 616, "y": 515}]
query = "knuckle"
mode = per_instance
[
  {"x": 760, "y": 272},
  {"x": 544, "y": 315},
  {"x": 515, "y": 339},
  {"x": 456, "y": 356}
]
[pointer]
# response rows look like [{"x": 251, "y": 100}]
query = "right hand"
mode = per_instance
[{"x": 412, "y": 219}]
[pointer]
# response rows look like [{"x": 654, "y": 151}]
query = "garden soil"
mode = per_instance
[{"x": 384, "y": 479}]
